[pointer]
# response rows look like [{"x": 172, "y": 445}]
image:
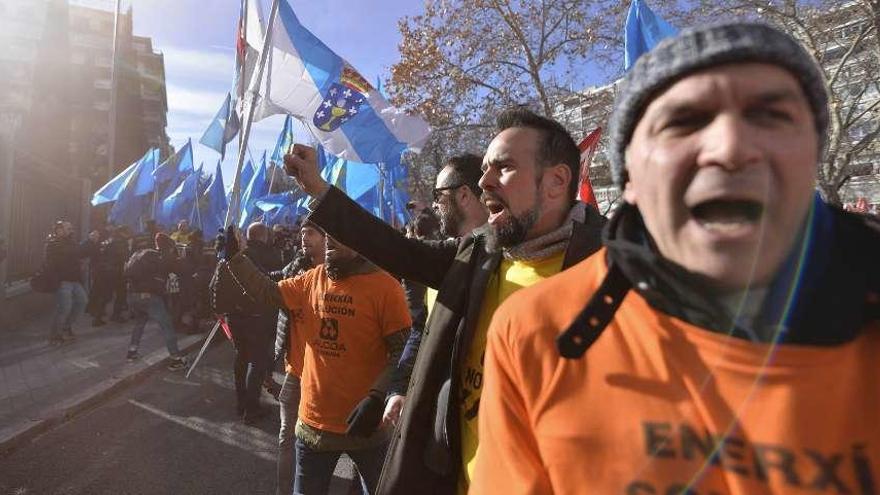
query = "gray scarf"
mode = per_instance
[{"x": 549, "y": 244}]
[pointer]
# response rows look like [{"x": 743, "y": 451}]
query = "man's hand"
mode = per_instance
[
  {"x": 94, "y": 236},
  {"x": 392, "y": 410},
  {"x": 366, "y": 416},
  {"x": 302, "y": 164}
]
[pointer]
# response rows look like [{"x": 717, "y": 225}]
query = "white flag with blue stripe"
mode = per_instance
[{"x": 345, "y": 113}]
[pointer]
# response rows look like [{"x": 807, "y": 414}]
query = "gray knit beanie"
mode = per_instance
[{"x": 699, "y": 48}]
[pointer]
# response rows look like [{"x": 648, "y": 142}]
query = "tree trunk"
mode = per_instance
[{"x": 831, "y": 194}]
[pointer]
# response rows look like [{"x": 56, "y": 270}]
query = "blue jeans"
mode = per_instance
[
  {"x": 289, "y": 402},
  {"x": 70, "y": 302},
  {"x": 314, "y": 469},
  {"x": 151, "y": 307}
]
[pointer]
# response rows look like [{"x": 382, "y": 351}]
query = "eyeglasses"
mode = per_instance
[{"x": 436, "y": 193}]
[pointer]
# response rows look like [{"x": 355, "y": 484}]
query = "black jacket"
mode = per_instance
[
  {"x": 424, "y": 454},
  {"x": 62, "y": 258},
  {"x": 154, "y": 268},
  {"x": 268, "y": 260}
]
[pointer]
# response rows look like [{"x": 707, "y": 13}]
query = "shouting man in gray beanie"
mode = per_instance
[{"x": 725, "y": 339}]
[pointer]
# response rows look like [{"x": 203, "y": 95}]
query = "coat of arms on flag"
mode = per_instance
[{"x": 342, "y": 101}]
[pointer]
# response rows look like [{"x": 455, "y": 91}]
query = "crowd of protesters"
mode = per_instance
[{"x": 717, "y": 334}]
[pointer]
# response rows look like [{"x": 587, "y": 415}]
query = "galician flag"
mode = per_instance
[{"x": 343, "y": 111}]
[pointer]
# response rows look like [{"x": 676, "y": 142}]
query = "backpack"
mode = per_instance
[
  {"x": 227, "y": 296},
  {"x": 143, "y": 266}
]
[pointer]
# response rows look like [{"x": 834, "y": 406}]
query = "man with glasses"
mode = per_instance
[
  {"x": 535, "y": 228},
  {"x": 457, "y": 196}
]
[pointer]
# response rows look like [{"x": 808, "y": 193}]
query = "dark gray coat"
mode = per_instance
[{"x": 424, "y": 454}]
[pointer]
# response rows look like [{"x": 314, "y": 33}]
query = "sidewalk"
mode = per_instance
[{"x": 42, "y": 386}]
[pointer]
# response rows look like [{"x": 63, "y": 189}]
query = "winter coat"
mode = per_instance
[{"x": 62, "y": 258}]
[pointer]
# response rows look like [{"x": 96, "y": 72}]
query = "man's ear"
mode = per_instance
[
  {"x": 556, "y": 180},
  {"x": 629, "y": 193}
]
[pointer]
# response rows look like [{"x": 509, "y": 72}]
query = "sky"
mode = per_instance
[{"x": 197, "y": 38}]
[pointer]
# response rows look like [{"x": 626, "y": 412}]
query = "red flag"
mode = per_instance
[
  {"x": 588, "y": 147},
  {"x": 225, "y": 326}
]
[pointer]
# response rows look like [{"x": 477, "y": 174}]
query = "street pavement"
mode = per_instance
[
  {"x": 41, "y": 386},
  {"x": 164, "y": 434}
]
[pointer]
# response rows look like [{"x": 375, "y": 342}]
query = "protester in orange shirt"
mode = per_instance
[
  {"x": 355, "y": 321},
  {"x": 293, "y": 349},
  {"x": 725, "y": 340}
]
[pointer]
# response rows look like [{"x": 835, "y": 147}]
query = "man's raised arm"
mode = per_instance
[{"x": 343, "y": 219}]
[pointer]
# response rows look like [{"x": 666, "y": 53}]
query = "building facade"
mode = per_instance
[{"x": 55, "y": 100}]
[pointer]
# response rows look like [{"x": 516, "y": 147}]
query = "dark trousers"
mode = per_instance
[
  {"x": 99, "y": 295},
  {"x": 253, "y": 338},
  {"x": 107, "y": 285},
  {"x": 120, "y": 295},
  {"x": 314, "y": 469}
]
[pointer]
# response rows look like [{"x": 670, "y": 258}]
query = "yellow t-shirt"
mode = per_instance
[{"x": 510, "y": 277}]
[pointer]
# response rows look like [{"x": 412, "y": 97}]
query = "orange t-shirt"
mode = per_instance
[
  {"x": 296, "y": 344},
  {"x": 645, "y": 409},
  {"x": 343, "y": 324}
]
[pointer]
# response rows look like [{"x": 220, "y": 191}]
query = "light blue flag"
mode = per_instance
[
  {"x": 275, "y": 201},
  {"x": 173, "y": 170},
  {"x": 341, "y": 109},
  {"x": 222, "y": 129},
  {"x": 213, "y": 205},
  {"x": 179, "y": 204},
  {"x": 144, "y": 183},
  {"x": 110, "y": 191},
  {"x": 286, "y": 215},
  {"x": 131, "y": 205},
  {"x": 284, "y": 142},
  {"x": 281, "y": 208},
  {"x": 643, "y": 31},
  {"x": 257, "y": 188},
  {"x": 394, "y": 193}
]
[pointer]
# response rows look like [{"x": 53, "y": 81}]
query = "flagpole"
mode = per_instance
[
  {"x": 242, "y": 148},
  {"x": 114, "y": 96},
  {"x": 254, "y": 87},
  {"x": 273, "y": 168}
]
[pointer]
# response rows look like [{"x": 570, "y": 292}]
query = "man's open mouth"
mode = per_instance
[
  {"x": 727, "y": 214},
  {"x": 494, "y": 206}
]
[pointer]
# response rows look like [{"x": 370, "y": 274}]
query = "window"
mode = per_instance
[{"x": 103, "y": 60}]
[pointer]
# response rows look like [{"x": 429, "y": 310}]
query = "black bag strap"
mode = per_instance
[{"x": 592, "y": 320}]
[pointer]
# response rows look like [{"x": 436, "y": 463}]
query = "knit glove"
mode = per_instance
[{"x": 365, "y": 418}]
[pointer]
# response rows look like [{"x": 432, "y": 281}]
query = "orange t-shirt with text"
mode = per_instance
[
  {"x": 343, "y": 323},
  {"x": 658, "y": 405}
]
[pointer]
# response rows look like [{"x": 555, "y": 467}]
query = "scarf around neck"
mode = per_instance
[{"x": 549, "y": 244}]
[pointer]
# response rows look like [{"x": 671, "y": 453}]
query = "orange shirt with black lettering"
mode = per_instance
[
  {"x": 658, "y": 405},
  {"x": 296, "y": 343},
  {"x": 344, "y": 323}
]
